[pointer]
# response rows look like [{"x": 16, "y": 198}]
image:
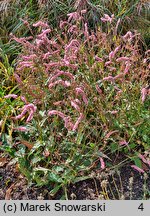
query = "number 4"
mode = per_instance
[{"x": 141, "y": 207}]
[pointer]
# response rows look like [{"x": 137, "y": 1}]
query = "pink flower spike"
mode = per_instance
[
  {"x": 117, "y": 49},
  {"x": 116, "y": 28},
  {"x": 110, "y": 133},
  {"x": 11, "y": 96},
  {"x": 86, "y": 33},
  {"x": 111, "y": 55},
  {"x": 44, "y": 32},
  {"x": 78, "y": 121},
  {"x": 77, "y": 101},
  {"x": 138, "y": 169},
  {"x": 83, "y": 11},
  {"x": 102, "y": 163},
  {"x": 76, "y": 106},
  {"x": 148, "y": 162},
  {"x": 61, "y": 73},
  {"x": 30, "y": 106},
  {"x": 118, "y": 89},
  {"x": 123, "y": 142},
  {"x": 58, "y": 103},
  {"x": 17, "y": 78},
  {"x": 98, "y": 59},
  {"x": 55, "y": 112},
  {"x": 68, "y": 123},
  {"x": 21, "y": 128},
  {"x": 122, "y": 59},
  {"x": 144, "y": 93},
  {"x": 98, "y": 89},
  {"x": 25, "y": 64},
  {"x": 107, "y": 18},
  {"x": 30, "y": 57},
  {"x": 128, "y": 65},
  {"x": 82, "y": 93},
  {"x": 109, "y": 78},
  {"x": 74, "y": 16},
  {"x": 73, "y": 43},
  {"x": 38, "y": 42},
  {"x": 21, "y": 115},
  {"x": 30, "y": 117},
  {"x": 63, "y": 24},
  {"x": 63, "y": 83},
  {"x": 111, "y": 68},
  {"x": 119, "y": 76},
  {"x": 142, "y": 158},
  {"x": 41, "y": 24},
  {"x": 73, "y": 29},
  {"x": 128, "y": 35},
  {"x": 23, "y": 99},
  {"x": 108, "y": 63},
  {"x": 27, "y": 108},
  {"x": 113, "y": 112}
]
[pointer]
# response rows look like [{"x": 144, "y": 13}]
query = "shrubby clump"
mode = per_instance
[{"x": 83, "y": 96}]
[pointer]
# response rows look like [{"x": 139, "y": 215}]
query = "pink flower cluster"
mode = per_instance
[
  {"x": 27, "y": 108},
  {"x": 71, "y": 51},
  {"x": 107, "y": 18}
]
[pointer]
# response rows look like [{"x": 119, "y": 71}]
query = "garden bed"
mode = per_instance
[{"x": 125, "y": 183}]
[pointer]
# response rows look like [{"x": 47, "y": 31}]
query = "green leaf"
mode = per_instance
[
  {"x": 137, "y": 162},
  {"x": 132, "y": 145},
  {"x": 54, "y": 177},
  {"x": 58, "y": 169},
  {"x": 78, "y": 179},
  {"x": 87, "y": 163},
  {"x": 55, "y": 190},
  {"x": 25, "y": 167},
  {"x": 92, "y": 145}
]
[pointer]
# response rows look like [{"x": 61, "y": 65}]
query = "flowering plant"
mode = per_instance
[{"x": 79, "y": 89}]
